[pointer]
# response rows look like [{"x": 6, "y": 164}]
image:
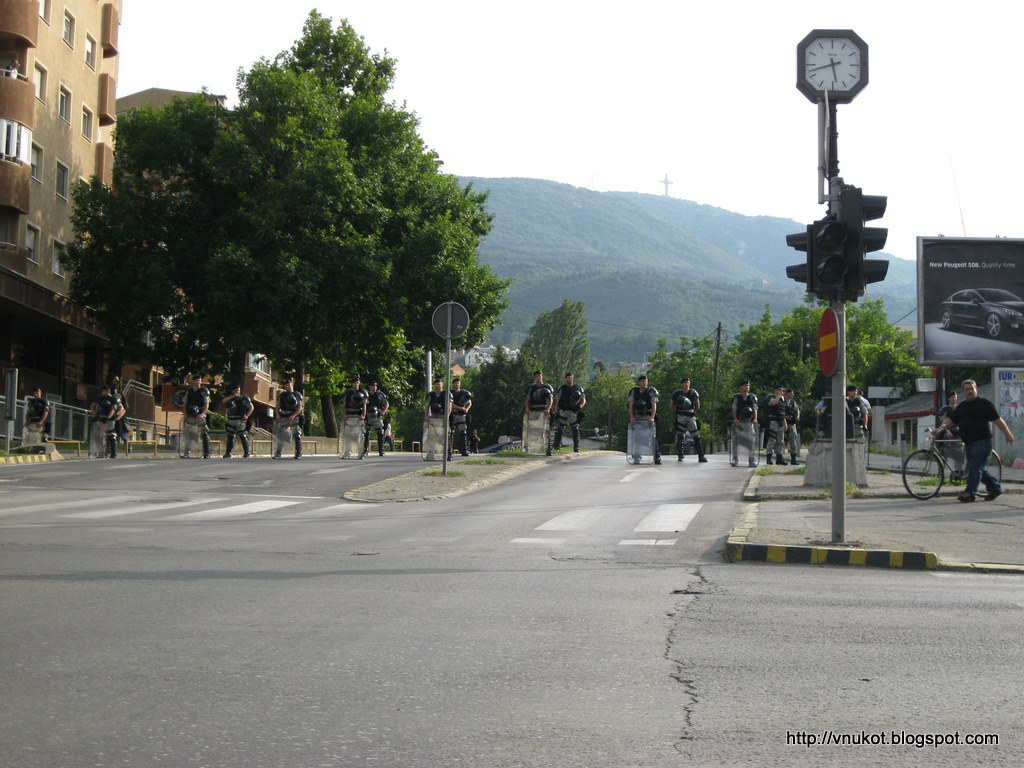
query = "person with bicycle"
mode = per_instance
[
  {"x": 973, "y": 417},
  {"x": 948, "y": 438}
]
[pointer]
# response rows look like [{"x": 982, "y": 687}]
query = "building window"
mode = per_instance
[
  {"x": 87, "y": 124},
  {"x": 8, "y": 232},
  {"x": 32, "y": 244},
  {"x": 37, "y": 163},
  {"x": 90, "y": 52},
  {"x": 61, "y": 181},
  {"x": 15, "y": 141},
  {"x": 69, "y": 29},
  {"x": 64, "y": 104},
  {"x": 40, "y": 84},
  {"x": 58, "y": 259},
  {"x": 44, "y": 10}
]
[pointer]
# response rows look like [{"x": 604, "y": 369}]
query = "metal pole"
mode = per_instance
[
  {"x": 839, "y": 429},
  {"x": 447, "y": 389}
]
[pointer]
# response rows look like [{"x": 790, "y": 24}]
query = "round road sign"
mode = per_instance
[
  {"x": 828, "y": 341},
  {"x": 450, "y": 320}
]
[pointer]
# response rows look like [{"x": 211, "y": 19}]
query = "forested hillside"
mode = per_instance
[{"x": 646, "y": 266}]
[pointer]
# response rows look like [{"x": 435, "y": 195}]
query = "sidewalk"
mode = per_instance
[{"x": 785, "y": 521}]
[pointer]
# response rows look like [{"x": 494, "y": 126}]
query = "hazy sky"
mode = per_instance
[{"x": 614, "y": 96}]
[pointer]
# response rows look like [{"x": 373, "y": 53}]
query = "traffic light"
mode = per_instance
[
  {"x": 855, "y": 208},
  {"x": 830, "y": 268},
  {"x": 802, "y": 273}
]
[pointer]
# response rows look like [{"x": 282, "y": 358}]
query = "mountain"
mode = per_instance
[{"x": 646, "y": 266}]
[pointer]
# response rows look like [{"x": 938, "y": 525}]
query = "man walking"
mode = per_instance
[{"x": 973, "y": 417}]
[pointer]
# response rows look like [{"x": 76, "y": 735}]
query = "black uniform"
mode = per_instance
[
  {"x": 289, "y": 403},
  {"x": 792, "y": 411},
  {"x": 376, "y": 402},
  {"x": 460, "y": 421},
  {"x": 237, "y": 408},
  {"x": 37, "y": 408},
  {"x": 567, "y": 405},
  {"x": 540, "y": 397},
  {"x": 436, "y": 403},
  {"x": 196, "y": 401},
  {"x": 687, "y": 403},
  {"x": 643, "y": 401},
  {"x": 776, "y": 410},
  {"x": 105, "y": 408}
]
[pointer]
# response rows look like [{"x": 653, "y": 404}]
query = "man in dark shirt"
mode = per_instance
[{"x": 973, "y": 416}]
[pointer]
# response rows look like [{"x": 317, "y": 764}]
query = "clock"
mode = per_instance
[{"x": 833, "y": 62}]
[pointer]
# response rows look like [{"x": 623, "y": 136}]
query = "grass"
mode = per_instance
[
  {"x": 439, "y": 473},
  {"x": 516, "y": 454},
  {"x": 483, "y": 461}
]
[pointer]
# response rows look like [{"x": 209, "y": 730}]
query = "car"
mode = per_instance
[{"x": 991, "y": 309}]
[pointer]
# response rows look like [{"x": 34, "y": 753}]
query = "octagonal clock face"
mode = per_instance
[{"x": 832, "y": 62}]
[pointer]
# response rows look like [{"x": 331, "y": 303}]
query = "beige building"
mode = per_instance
[{"x": 57, "y": 115}]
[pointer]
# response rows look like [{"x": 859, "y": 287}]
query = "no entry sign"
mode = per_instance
[{"x": 828, "y": 341}]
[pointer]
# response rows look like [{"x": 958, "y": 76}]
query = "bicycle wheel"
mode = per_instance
[
  {"x": 995, "y": 466},
  {"x": 923, "y": 474}
]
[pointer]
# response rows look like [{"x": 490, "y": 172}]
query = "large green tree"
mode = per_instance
[
  {"x": 311, "y": 223},
  {"x": 559, "y": 342}
]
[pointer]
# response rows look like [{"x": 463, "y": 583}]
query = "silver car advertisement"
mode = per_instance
[{"x": 970, "y": 294}]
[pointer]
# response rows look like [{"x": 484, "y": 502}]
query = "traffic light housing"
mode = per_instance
[
  {"x": 824, "y": 270},
  {"x": 856, "y": 208},
  {"x": 802, "y": 273}
]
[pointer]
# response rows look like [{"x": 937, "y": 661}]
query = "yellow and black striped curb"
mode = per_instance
[
  {"x": 737, "y": 548},
  {"x": 33, "y": 458}
]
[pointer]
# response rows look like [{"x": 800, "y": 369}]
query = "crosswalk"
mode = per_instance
[{"x": 658, "y": 525}]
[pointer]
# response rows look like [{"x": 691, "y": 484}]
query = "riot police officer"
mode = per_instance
[
  {"x": 569, "y": 402},
  {"x": 775, "y": 406},
  {"x": 462, "y": 401},
  {"x": 793, "y": 425},
  {"x": 539, "y": 398},
  {"x": 434, "y": 414},
  {"x": 685, "y": 404},
  {"x": 643, "y": 404},
  {"x": 377, "y": 406},
  {"x": 238, "y": 408},
  {"x": 37, "y": 411},
  {"x": 197, "y": 405},
  {"x": 104, "y": 411},
  {"x": 288, "y": 413},
  {"x": 744, "y": 417}
]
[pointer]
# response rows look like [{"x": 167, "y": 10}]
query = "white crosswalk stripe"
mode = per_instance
[
  {"x": 665, "y": 518},
  {"x": 669, "y": 517},
  {"x": 573, "y": 520},
  {"x": 139, "y": 509},
  {"x": 25, "y": 509},
  {"x": 238, "y": 510}
]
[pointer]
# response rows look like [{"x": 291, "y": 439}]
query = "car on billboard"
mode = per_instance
[{"x": 992, "y": 309}]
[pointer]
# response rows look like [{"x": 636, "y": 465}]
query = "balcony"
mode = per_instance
[
  {"x": 105, "y": 163},
  {"x": 20, "y": 21},
  {"x": 18, "y": 101},
  {"x": 107, "y": 106},
  {"x": 108, "y": 33},
  {"x": 14, "y": 185}
]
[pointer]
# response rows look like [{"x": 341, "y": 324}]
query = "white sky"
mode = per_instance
[{"x": 614, "y": 96}]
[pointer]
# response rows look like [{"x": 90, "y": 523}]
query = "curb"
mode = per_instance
[
  {"x": 35, "y": 458},
  {"x": 737, "y": 548}
]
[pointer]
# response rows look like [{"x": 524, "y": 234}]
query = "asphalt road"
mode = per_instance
[{"x": 243, "y": 614}]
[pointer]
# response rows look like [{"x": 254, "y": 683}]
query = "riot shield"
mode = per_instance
[
  {"x": 352, "y": 438},
  {"x": 98, "y": 438},
  {"x": 433, "y": 440},
  {"x": 284, "y": 437},
  {"x": 32, "y": 434},
  {"x": 746, "y": 443},
  {"x": 535, "y": 432},
  {"x": 640, "y": 442},
  {"x": 190, "y": 439}
]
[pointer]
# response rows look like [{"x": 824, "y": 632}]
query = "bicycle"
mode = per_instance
[{"x": 926, "y": 469}]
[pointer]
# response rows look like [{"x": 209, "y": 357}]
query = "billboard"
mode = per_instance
[{"x": 970, "y": 301}]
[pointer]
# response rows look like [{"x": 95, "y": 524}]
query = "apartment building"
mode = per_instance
[{"x": 59, "y": 59}]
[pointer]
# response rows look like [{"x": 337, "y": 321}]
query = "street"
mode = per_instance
[{"x": 229, "y": 613}]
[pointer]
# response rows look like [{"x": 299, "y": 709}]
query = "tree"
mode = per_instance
[
  {"x": 499, "y": 389},
  {"x": 311, "y": 224},
  {"x": 606, "y": 405},
  {"x": 558, "y": 340}
]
